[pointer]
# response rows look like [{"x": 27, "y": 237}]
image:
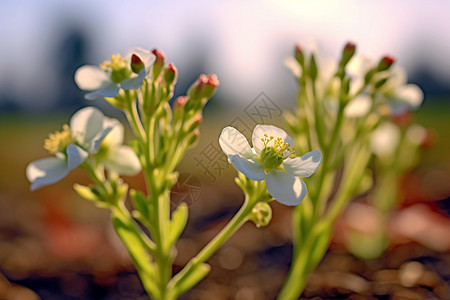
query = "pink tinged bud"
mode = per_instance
[
  {"x": 347, "y": 53},
  {"x": 350, "y": 47},
  {"x": 136, "y": 63},
  {"x": 198, "y": 119},
  {"x": 170, "y": 74},
  {"x": 299, "y": 56},
  {"x": 385, "y": 63},
  {"x": 181, "y": 101},
  {"x": 213, "y": 81},
  {"x": 204, "y": 87},
  {"x": 158, "y": 65},
  {"x": 159, "y": 54}
]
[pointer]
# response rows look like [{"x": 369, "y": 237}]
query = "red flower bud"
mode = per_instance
[
  {"x": 347, "y": 54},
  {"x": 213, "y": 80},
  {"x": 180, "y": 101},
  {"x": 136, "y": 63},
  {"x": 299, "y": 56},
  {"x": 204, "y": 87},
  {"x": 170, "y": 74},
  {"x": 385, "y": 63},
  {"x": 158, "y": 65}
]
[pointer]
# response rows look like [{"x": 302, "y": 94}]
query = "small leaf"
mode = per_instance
[
  {"x": 188, "y": 282},
  {"x": 179, "y": 220},
  {"x": 141, "y": 204},
  {"x": 136, "y": 249}
]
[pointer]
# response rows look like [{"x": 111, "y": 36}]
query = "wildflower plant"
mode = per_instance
[
  {"x": 140, "y": 84},
  {"x": 341, "y": 105}
]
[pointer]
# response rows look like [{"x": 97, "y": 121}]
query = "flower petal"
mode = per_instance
[
  {"x": 46, "y": 171},
  {"x": 411, "y": 95},
  {"x": 252, "y": 169},
  {"x": 292, "y": 64},
  {"x": 110, "y": 90},
  {"x": 359, "y": 65},
  {"x": 123, "y": 161},
  {"x": 86, "y": 123},
  {"x": 133, "y": 83},
  {"x": 384, "y": 140},
  {"x": 358, "y": 107},
  {"x": 75, "y": 156},
  {"x": 115, "y": 136},
  {"x": 95, "y": 143},
  {"x": 260, "y": 130},
  {"x": 285, "y": 188},
  {"x": 91, "y": 78},
  {"x": 233, "y": 142},
  {"x": 303, "y": 166}
]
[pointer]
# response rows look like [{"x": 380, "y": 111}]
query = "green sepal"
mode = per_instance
[
  {"x": 91, "y": 194},
  {"x": 87, "y": 192},
  {"x": 137, "y": 251},
  {"x": 178, "y": 223},
  {"x": 196, "y": 275}
]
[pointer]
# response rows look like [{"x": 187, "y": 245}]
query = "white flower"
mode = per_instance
[
  {"x": 90, "y": 133},
  {"x": 271, "y": 158},
  {"x": 115, "y": 156},
  {"x": 385, "y": 139},
  {"x": 107, "y": 80},
  {"x": 400, "y": 95},
  {"x": 70, "y": 148}
]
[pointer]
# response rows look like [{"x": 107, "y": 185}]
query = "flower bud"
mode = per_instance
[
  {"x": 299, "y": 56},
  {"x": 158, "y": 64},
  {"x": 347, "y": 53},
  {"x": 136, "y": 63},
  {"x": 180, "y": 101},
  {"x": 261, "y": 214},
  {"x": 170, "y": 74},
  {"x": 385, "y": 63},
  {"x": 179, "y": 106},
  {"x": 204, "y": 87},
  {"x": 313, "y": 68}
]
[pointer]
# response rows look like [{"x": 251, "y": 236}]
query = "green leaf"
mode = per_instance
[
  {"x": 125, "y": 229},
  {"x": 141, "y": 204},
  {"x": 188, "y": 282},
  {"x": 179, "y": 220}
]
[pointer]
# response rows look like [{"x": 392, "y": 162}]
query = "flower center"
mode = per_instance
[
  {"x": 118, "y": 67},
  {"x": 58, "y": 141},
  {"x": 273, "y": 155}
]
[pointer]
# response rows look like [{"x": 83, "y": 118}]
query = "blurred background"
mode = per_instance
[{"x": 54, "y": 245}]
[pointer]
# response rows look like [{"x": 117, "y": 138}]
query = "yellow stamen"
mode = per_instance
[
  {"x": 116, "y": 63},
  {"x": 279, "y": 145},
  {"x": 59, "y": 140}
]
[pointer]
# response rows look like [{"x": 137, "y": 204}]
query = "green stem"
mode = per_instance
[{"x": 238, "y": 220}]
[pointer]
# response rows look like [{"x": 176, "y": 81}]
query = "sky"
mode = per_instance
[{"x": 243, "y": 42}]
